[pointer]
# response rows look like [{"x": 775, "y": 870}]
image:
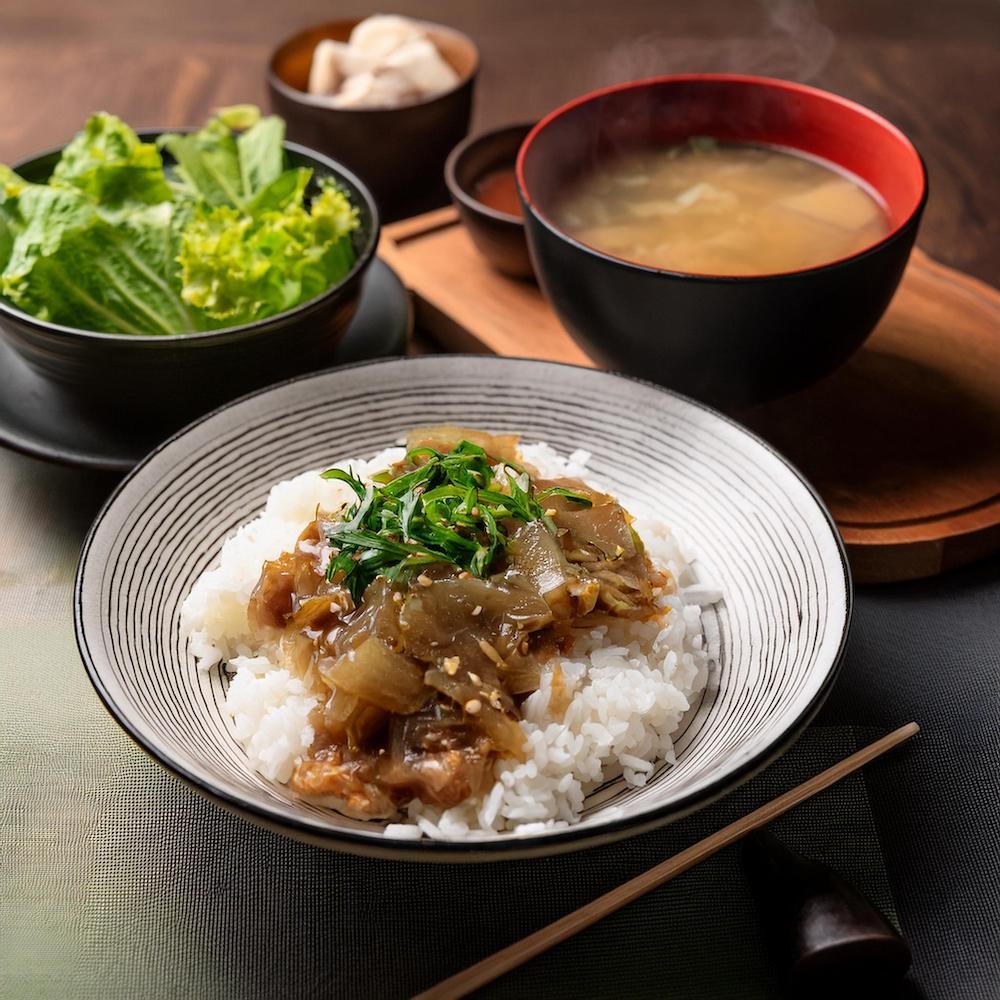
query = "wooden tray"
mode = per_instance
[{"x": 902, "y": 442}]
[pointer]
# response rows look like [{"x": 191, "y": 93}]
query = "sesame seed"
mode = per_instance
[
  {"x": 465, "y": 575},
  {"x": 618, "y": 550},
  {"x": 475, "y": 678},
  {"x": 397, "y": 596},
  {"x": 424, "y": 580},
  {"x": 550, "y": 512},
  {"x": 490, "y": 651},
  {"x": 451, "y": 665},
  {"x": 495, "y": 699},
  {"x": 477, "y": 610},
  {"x": 473, "y": 705}
]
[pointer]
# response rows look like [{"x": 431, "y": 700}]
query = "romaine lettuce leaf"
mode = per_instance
[
  {"x": 69, "y": 265},
  {"x": 209, "y": 163},
  {"x": 223, "y": 169},
  {"x": 262, "y": 154},
  {"x": 287, "y": 189},
  {"x": 110, "y": 164}
]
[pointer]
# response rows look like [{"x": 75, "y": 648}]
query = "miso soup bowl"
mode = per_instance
[{"x": 729, "y": 340}]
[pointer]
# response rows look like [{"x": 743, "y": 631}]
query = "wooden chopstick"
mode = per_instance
[{"x": 464, "y": 982}]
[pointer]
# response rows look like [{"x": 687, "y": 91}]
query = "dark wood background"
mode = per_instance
[{"x": 932, "y": 66}]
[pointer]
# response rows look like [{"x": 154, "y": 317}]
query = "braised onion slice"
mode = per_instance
[
  {"x": 351, "y": 720},
  {"x": 493, "y": 718},
  {"x": 376, "y": 674},
  {"x": 446, "y": 436},
  {"x": 454, "y": 615},
  {"x": 536, "y": 555},
  {"x": 589, "y": 532}
]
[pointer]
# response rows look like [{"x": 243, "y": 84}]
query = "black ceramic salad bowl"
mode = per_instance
[{"x": 163, "y": 381}]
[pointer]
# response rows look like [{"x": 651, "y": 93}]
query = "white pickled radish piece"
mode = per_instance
[
  {"x": 325, "y": 75},
  {"x": 386, "y": 89},
  {"x": 381, "y": 34},
  {"x": 420, "y": 61},
  {"x": 333, "y": 63}
]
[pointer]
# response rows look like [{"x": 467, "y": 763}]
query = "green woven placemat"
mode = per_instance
[{"x": 118, "y": 882}]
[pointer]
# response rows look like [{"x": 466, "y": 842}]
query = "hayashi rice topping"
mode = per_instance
[{"x": 423, "y": 612}]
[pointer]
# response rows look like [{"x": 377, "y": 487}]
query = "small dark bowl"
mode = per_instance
[
  {"x": 398, "y": 152},
  {"x": 162, "y": 382},
  {"x": 727, "y": 340},
  {"x": 499, "y": 236}
]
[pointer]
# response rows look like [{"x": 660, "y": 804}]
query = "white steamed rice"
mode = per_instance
[{"x": 630, "y": 683}]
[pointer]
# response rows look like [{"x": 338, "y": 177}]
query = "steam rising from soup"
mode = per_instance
[{"x": 727, "y": 209}]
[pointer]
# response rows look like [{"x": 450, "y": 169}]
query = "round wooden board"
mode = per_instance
[{"x": 903, "y": 442}]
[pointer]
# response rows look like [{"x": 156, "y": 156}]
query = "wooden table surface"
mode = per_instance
[{"x": 931, "y": 66}]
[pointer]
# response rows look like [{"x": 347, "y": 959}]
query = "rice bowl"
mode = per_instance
[{"x": 760, "y": 535}]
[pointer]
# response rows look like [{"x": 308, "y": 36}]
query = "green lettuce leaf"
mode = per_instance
[
  {"x": 70, "y": 265},
  {"x": 238, "y": 268},
  {"x": 209, "y": 163},
  {"x": 238, "y": 116},
  {"x": 221, "y": 168},
  {"x": 262, "y": 154},
  {"x": 108, "y": 163},
  {"x": 287, "y": 189}
]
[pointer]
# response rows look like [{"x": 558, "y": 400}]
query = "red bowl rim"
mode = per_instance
[{"x": 773, "y": 83}]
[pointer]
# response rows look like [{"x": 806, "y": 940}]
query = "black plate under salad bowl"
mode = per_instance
[
  {"x": 36, "y": 418},
  {"x": 164, "y": 381}
]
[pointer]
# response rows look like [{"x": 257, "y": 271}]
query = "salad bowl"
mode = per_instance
[{"x": 163, "y": 381}]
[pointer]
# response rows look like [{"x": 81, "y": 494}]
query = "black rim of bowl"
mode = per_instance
[
  {"x": 465, "y": 196},
  {"x": 365, "y": 256},
  {"x": 321, "y": 103},
  {"x": 562, "y": 840}
]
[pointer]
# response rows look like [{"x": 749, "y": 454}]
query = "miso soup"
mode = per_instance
[{"x": 718, "y": 208}]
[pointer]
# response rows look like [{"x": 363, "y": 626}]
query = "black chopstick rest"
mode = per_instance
[{"x": 826, "y": 937}]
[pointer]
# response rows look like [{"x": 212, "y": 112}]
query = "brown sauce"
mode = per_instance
[{"x": 497, "y": 189}]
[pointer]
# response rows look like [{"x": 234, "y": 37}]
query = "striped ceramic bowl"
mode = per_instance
[{"x": 759, "y": 532}]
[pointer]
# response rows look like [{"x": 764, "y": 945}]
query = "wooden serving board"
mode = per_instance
[{"x": 902, "y": 442}]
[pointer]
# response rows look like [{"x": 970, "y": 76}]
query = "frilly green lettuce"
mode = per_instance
[{"x": 239, "y": 267}]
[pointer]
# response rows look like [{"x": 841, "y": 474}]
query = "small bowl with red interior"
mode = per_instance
[
  {"x": 480, "y": 178},
  {"x": 646, "y": 300}
]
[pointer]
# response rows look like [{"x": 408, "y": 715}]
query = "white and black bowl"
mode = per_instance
[{"x": 758, "y": 530}]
